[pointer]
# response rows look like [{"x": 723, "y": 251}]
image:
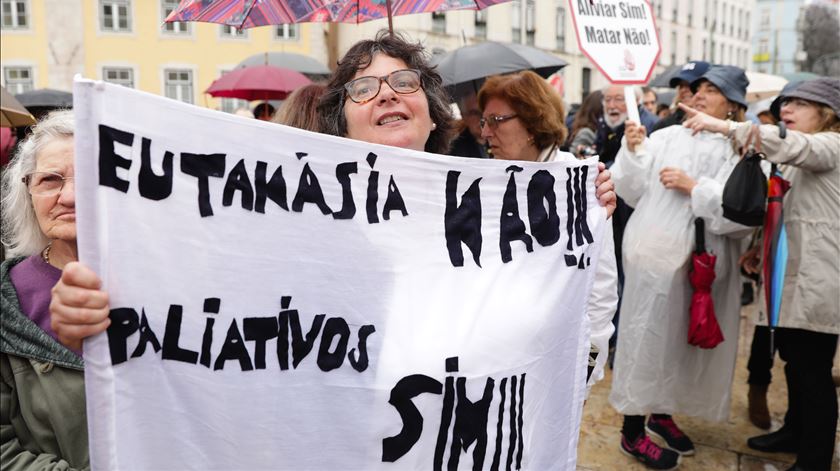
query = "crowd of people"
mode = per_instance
[{"x": 656, "y": 178}]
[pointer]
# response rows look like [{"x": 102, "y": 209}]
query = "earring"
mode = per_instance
[
  {"x": 729, "y": 114},
  {"x": 434, "y": 126}
]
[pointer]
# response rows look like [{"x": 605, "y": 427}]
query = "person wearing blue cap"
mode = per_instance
[
  {"x": 673, "y": 178},
  {"x": 808, "y": 143},
  {"x": 689, "y": 72}
]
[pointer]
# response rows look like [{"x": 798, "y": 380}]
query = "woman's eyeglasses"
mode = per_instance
[
  {"x": 364, "y": 89},
  {"x": 45, "y": 183},
  {"x": 494, "y": 121}
]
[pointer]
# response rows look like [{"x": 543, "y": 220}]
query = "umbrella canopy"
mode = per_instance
[
  {"x": 287, "y": 60},
  {"x": 703, "y": 328},
  {"x": 250, "y": 13},
  {"x": 360, "y": 11},
  {"x": 262, "y": 82},
  {"x": 800, "y": 76},
  {"x": 775, "y": 245},
  {"x": 46, "y": 98},
  {"x": 12, "y": 113},
  {"x": 763, "y": 86},
  {"x": 472, "y": 63},
  {"x": 663, "y": 79}
]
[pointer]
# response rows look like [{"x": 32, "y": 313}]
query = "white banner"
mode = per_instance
[
  {"x": 287, "y": 300},
  {"x": 618, "y": 36}
]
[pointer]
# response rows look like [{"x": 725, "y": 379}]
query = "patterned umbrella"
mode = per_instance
[
  {"x": 250, "y": 13},
  {"x": 775, "y": 248}
]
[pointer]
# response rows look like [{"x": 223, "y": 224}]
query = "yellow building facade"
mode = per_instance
[{"x": 44, "y": 43}]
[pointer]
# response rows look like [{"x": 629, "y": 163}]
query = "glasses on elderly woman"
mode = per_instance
[
  {"x": 45, "y": 183},
  {"x": 364, "y": 89},
  {"x": 494, "y": 121}
]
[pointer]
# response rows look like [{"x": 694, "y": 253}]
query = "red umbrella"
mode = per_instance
[
  {"x": 703, "y": 328},
  {"x": 262, "y": 82}
]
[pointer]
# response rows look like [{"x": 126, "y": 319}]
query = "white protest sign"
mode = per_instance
[
  {"x": 287, "y": 300},
  {"x": 618, "y": 36}
]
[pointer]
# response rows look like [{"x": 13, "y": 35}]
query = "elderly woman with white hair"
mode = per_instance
[{"x": 42, "y": 401}]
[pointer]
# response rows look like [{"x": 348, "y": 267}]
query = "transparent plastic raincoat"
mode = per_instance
[{"x": 656, "y": 370}]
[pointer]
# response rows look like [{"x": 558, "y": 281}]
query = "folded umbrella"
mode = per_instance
[
  {"x": 775, "y": 248},
  {"x": 703, "y": 328}
]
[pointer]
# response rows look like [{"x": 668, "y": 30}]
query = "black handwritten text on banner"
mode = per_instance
[{"x": 286, "y": 300}]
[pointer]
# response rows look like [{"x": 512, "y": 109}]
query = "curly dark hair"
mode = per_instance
[
  {"x": 538, "y": 106},
  {"x": 331, "y": 107}
]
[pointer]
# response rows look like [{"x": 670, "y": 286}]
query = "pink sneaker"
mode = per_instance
[
  {"x": 650, "y": 454},
  {"x": 667, "y": 430}
]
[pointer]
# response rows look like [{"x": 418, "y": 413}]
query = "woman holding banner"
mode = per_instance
[
  {"x": 412, "y": 112},
  {"x": 673, "y": 178},
  {"x": 43, "y": 417},
  {"x": 810, "y": 321},
  {"x": 523, "y": 120}
]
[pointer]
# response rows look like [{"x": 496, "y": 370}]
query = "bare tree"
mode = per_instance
[{"x": 819, "y": 28}]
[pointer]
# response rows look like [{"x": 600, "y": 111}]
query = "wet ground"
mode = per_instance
[{"x": 720, "y": 446}]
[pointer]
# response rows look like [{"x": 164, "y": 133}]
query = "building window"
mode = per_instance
[
  {"x": 560, "y": 31},
  {"x": 18, "y": 79},
  {"x": 179, "y": 27},
  {"x": 659, "y": 8},
  {"x": 14, "y": 14},
  {"x": 673, "y": 47},
  {"x": 530, "y": 13},
  {"x": 764, "y": 23},
  {"x": 438, "y": 22},
  {"x": 676, "y": 11},
  {"x": 516, "y": 21},
  {"x": 231, "y": 105},
  {"x": 178, "y": 85},
  {"x": 688, "y": 48},
  {"x": 586, "y": 82},
  {"x": 228, "y": 31},
  {"x": 732, "y": 22},
  {"x": 115, "y": 15},
  {"x": 287, "y": 32},
  {"x": 714, "y": 15},
  {"x": 119, "y": 75},
  {"x": 706, "y": 14},
  {"x": 746, "y": 25},
  {"x": 481, "y": 23},
  {"x": 705, "y": 52},
  {"x": 740, "y": 21}
]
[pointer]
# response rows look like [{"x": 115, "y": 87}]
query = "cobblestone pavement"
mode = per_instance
[{"x": 720, "y": 446}]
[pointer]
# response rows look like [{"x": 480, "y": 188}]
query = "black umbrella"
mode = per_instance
[
  {"x": 469, "y": 65},
  {"x": 663, "y": 80},
  {"x": 46, "y": 97}
]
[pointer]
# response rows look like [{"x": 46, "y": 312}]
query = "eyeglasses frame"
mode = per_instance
[
  {"x": 493, "y": 121},
  {"x": 27, "y": 179},
  {"x": 383, "y": 78}
]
